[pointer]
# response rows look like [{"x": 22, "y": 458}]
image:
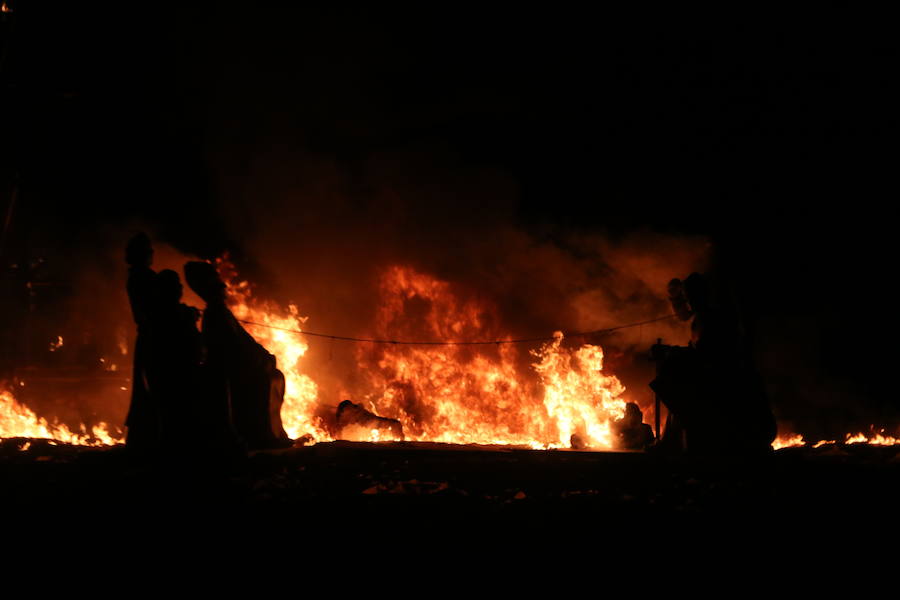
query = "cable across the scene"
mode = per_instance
[{"x": 342, "y": 338}]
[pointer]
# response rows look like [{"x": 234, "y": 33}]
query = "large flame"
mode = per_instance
[
  {"x": 457, "y": 393},
  {"x": 480, "y": 394}
]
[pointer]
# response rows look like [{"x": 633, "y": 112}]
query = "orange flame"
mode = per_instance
[
  {"x": 788, "y": 441},
  {"x": 17, "y": 420},
  {"x": 878, "y": 439},
  {"x": 298, "y": 413},
  {"x": 453, "y": 394},
  {"x": 483, "y": 395}
]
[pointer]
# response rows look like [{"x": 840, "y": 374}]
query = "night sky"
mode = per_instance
[{"x": 777, "y": 142}]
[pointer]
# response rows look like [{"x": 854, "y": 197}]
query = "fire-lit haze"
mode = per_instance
[
  {"x": 456, "y": 393},
  {"x": 540, "y": 394}
]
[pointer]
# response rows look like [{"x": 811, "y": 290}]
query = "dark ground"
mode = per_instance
[{"x": 402, "y": 491}]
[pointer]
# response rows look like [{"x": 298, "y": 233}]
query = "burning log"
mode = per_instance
[{"x": 353, "y": 419}]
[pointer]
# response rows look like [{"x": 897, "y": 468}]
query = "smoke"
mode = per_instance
[{"x": 321, "y": 232}]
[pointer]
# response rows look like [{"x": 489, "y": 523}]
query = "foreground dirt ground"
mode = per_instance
[{"x": 394, "y": 490}]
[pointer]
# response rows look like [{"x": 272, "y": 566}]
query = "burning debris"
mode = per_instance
[{"x": 356, "y": 423}]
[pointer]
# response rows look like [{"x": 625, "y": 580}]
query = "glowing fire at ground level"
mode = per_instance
[
  {"x": 444, "y": 394},
  {"x": 18, "y": 421}
]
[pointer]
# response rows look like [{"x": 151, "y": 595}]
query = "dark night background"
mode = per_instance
[{"x": 775, "y": 141}]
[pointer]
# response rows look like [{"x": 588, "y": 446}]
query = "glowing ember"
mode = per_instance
[
  {"x": 17, "y": 420},
  {"x": 54, "y": 346}
]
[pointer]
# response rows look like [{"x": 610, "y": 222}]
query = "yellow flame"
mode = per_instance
[
  {"x": 788, "y": 441},
  {"x": 298, "y": 413},
  {"x": 879, "y": 439},
  {"x": 468, "y": 397},
  {"x": 17, "y": 420}
]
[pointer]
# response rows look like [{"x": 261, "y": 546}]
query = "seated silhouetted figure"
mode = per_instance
[
  {"x": 173, "y": 365},
  {"x": 143, "y": 418},
  {"x": 244, "y": 370},
  {"x": 630, "y": 432},
  {"x": 716, "y": 399}
]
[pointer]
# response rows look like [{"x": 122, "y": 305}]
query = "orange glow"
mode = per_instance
[
  {"x": 480, "y": 394},
  {"x": 788, "y": 441},
  {"x": 17, "y": 420},
  {"x": 298, "y": 413},
  {"x": 879, "y": 439},
  {"x": 454, "y": 394},
  {"x": 549, "y": 396}
]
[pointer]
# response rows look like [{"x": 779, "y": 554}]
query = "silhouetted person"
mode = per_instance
[
  {"x": 143, "y": 418},
  {"x": 173, "y": 362},
  {"x": 711, "y": 389},
  {"x": 630, "y": 432},
  {"x": 243, "y": 370}
]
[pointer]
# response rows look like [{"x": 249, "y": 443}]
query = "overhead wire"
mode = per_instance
[{"x": 343, "y": 338}]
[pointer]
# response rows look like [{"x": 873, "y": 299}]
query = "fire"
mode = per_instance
[
  {"x": 879, "y": 439},
  {"x": 276, "y": 333},
  {"x": 453, "y": 394},
  {"x": 788, "y": 441},
  {"x": 462, "y": 393},
  {"x": 54, "y": 346},
  {"x": 479, "y": 394},
  {"x": 578, "y": 396},
  {"x": 17, "y": 420}
]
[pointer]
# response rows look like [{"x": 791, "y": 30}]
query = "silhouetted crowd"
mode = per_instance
[
  {"x": 214, "y": 389},
  {"x": 217, "y": 389}
]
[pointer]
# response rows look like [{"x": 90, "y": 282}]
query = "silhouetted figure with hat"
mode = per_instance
[
  {"x": 143, "y": 418},
  {"x": 715, "y": 397},
  {"x": 241, "y": 369}
]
